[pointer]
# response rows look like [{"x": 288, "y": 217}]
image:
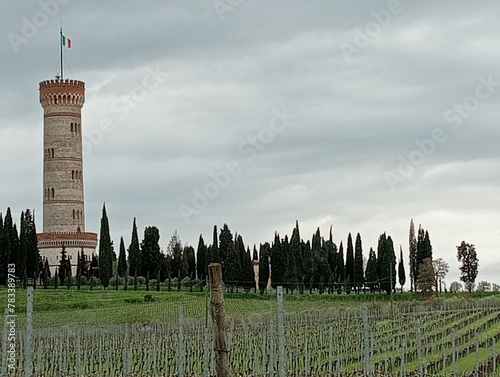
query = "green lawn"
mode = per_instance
[{"x": 62, "y": 307}]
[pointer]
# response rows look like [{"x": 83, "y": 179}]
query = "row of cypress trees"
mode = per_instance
[
  {"x": 291, "y": 262},
  {"x": 297, "y": 265},
  {"x": 19, "y": 247}
]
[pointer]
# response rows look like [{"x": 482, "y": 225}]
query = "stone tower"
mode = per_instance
[{"x": 63, "y": 199}]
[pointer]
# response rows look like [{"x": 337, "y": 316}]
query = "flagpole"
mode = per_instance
[{"x": 60, "y": 43}]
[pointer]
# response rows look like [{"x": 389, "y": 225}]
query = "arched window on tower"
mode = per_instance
[
  {"x": 73, "y": 214},
  {"x": 52, "y": 152},
  {"x": 71, "y": 126},
  {"x": 52, "y": 192}
]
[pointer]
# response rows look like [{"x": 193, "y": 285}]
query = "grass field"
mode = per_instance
[
  {"x": 85, "y": 333},
  {"x": 62, "y": 307}
]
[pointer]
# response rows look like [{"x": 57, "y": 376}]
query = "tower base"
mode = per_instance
[{"x": 50, "y": 246}]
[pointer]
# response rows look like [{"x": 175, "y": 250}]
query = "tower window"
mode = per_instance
[{"x": 52, "y": 192}]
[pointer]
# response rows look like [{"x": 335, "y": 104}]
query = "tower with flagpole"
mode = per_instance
[{"x": 63, "y": 194}]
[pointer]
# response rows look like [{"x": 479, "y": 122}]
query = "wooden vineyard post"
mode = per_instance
[{"x": 218, "y": 319}]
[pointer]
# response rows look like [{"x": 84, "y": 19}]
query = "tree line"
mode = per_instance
[
  {"x": 297, "y": 265},
  {"x": 19, "y": 247}
]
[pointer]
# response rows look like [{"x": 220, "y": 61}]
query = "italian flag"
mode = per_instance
[{"x": 65, "y": 41}]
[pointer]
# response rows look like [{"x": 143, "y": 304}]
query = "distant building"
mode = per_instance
[{"x": 63, "y": 199}]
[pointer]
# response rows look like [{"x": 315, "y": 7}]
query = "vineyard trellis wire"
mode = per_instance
[{"x": 445, "y": 340}]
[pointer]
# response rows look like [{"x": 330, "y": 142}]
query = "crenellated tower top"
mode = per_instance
[{"x": 62, "y": 92}]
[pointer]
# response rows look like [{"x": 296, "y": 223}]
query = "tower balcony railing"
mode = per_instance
[{"x": 68, "y": 239}]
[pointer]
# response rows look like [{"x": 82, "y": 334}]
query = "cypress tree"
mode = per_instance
[
  {"x": 105, "y": 256},
  {"x": 413, "y": 257},
  {"x": 151, "y": 257},
  {"x": 424, "y": 249},
  {"x": 427, "y": 246},
  {"x": 94, "y": 267},
  {"x": 401, "y": 269},
  {"x": 340, "y": 269},
  {"x": 331, "y": 250},
  {"x": 232, "y": 267},
  {"x": 134, "y": 253},
  {"x": 122, "y": 260},
  {"x": 214, "y": 251},
  {"x": 316, "y": 250},
  {"x": 190, "y": 262},
  {"x": 299, "y": 257},
  {"x": 247, "y": 272},
  {"x": 264, "y": 252},
  {"x": 84, "y": 270},
  {"x": 240, "y": 252},
  {"x": 201, "y": 259},
  {"x": 323, "y": 267},
  {"x": 349, "y": 264},
  {"x": 32, "y": 253},
  {"x": 78, "y": 271},
  {"x": 4, "y": 253},
  {"x": 381, "y": 251},
  {"x": 225, "y": 240},
  {"x": 371, "y": 271},
  {"x": 185, "y": 263},
  {"x": 12, "y": 238},
  {"x": 45, "y": 277},
  {"x": 292, "y": 267},
  {"x": 68, "y": 276},
  {"x": 20, "y": 254},
  {"x": 359, "y": 279},
  {"x": 308, "y": 267},
  {"x": 64, "y": 267},
  {"x": 8, "y": 230},
  {"x": 247, "y": 278},
  {"x": 387, "y": 264},
  {"x": 169, "y": 272},
  {"x": 278, "y": 262},
  {"x": 175, "y": 250}
]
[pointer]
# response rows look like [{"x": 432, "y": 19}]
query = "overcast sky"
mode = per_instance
[{"x": 359, "y": 115}]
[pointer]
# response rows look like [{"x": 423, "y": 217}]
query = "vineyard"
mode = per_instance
[{"x": 444, "y": 340}]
